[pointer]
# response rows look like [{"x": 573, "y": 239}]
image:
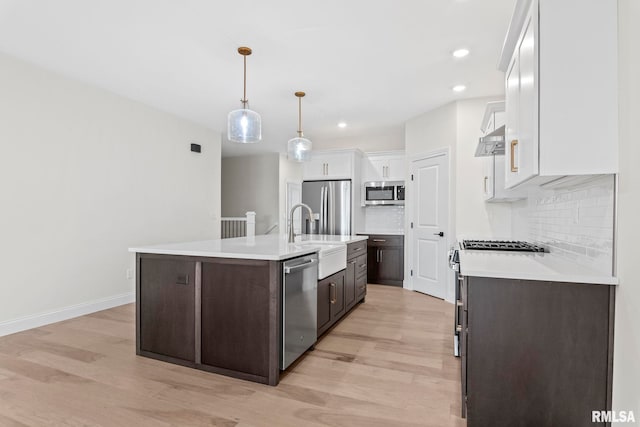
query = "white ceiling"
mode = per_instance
[{"x": 373, "y": 64}]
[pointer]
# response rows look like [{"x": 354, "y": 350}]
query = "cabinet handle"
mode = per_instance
[
  {"x": 485, "y": 184},
  {"x": 385, "y": 171},
  {"x": 378, "y": 240},
  {"x": 458, "y": 328},
  {"x": 362, "y": 265},
  {"x": 459, "y": 303},
  {"x": 381, "y": 255},
  {"x": 352, "y": 262},
  {"x": 357, "y": 249},
  {"x": 334, "y": 296},
  {"x": 377, "y": 255},
  {"x": 514, "y": 143}
]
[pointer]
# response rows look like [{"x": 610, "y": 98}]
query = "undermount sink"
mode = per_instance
[{"x": 332, "y": 257}]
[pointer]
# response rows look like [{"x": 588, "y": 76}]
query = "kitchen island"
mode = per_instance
[{"x": 217, "y": 305}]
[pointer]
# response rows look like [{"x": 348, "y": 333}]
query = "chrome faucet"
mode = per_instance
[{"x": 292, "y": 235}]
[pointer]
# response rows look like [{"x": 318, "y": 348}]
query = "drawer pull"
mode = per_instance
[
  {"x": 362, "y": 265},
  {"x": 357, "y": 249},
  {"x": 378, "y": 240}
]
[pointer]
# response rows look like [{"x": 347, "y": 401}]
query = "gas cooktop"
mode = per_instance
[{"x": 501, "y": 245}]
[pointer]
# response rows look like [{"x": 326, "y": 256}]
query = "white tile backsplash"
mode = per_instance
[
  {"x": 575, "y": 222},
  {"x": 383, "y": 218}
]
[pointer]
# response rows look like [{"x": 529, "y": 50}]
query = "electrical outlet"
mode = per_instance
[{"x": 129, "y": 273}]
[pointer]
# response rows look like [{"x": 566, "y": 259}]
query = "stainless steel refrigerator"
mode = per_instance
[{"x": 330, "y": 202}]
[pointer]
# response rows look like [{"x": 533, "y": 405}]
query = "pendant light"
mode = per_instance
[
  {"x": 299, "y": 148},
  {"x": 244, "y": 125}
]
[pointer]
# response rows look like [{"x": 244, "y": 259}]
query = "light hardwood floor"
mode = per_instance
[{"x": 389, "y": 363}]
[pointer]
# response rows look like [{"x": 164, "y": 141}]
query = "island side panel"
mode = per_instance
[
  {"x": 240, "y": 318},
  {"x": 165, "y": 303},
  {"x": 275, "y": 321}
]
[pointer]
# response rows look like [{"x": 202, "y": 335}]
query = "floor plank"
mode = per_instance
[{"x": 389, "y": 363}]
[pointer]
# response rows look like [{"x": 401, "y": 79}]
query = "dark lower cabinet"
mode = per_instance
[
  {"x": 385, "y": 259},
  {"x": 536, "y": 353},
  {"x": 167, "y": 307},
  {"x": 216, "y": 314},
  {"x": 331, "y": 306},
  {"x": 340, "y": 292},
  {"x": 235, "y": 319}
]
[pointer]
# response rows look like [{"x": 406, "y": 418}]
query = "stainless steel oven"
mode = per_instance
[{"x": 383, "y": 193}]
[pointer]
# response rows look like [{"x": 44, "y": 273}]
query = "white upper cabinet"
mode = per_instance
[
  {"x": 383, "y": 167},
  {"x": 560, "y": 63},
  {"x": 493, "y": 185},
  {"x": 329, "y": 165}
]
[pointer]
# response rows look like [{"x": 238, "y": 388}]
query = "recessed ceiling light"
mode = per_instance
[
  {"x": 460, "y": 53},
  {"x": 459, "y": 88},
  {"x": 342, "y": 125}
]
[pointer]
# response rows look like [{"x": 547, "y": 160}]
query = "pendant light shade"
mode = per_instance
[
  {"x": 299, "y": 148},
  {"x": 244, "y": 125}
]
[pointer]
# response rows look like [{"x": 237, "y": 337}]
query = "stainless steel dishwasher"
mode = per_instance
[{"x": 299, "y": 307}]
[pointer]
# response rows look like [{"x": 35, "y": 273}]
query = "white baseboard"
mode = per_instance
[{"x": 41, "y": 319}]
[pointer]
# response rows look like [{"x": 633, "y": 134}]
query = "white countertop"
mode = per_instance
[
  {"x": 264, "y": 247},
  {"x": 529, "y": 266}
]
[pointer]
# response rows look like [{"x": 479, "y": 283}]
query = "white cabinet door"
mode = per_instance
[
  {"x": 328, "y": 166},
  {"x": 527, "y": 146},
  {"x": 521, "y": 136},
  {"x": 396, "y": 168},
  {"x": 373, "y": 169},
  {"x": 488, "y": 177},
  {"x": 384, "y": 168},
  {"x": 314, "y": 168}
]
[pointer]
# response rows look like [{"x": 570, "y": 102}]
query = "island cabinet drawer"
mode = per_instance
[
  {"x": 385, "y": 241},
  {"x": 361, "y": 265},
  {"x": 356, "y": 248}
]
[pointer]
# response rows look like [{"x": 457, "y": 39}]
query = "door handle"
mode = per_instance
[{"x": 441, "y": 234}]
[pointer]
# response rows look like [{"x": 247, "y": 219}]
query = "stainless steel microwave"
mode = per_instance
[{"x": 383, "y": 193}]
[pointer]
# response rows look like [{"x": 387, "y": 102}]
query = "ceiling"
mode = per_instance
[{"x": 371, "y": 64}]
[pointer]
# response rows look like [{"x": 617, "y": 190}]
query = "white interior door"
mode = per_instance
[{"x": 430, "y": 219}]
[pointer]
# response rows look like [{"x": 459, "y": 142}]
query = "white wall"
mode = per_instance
[
  {"x": 85, "y": 174},
  {"x": 475, "y": 217},
  {"x": 251, "y": 183},
  {"x": 456, "y": 126},
  {"x": 376, "y": 140},
  {"x": 626, "y": 374},
  {"x": 290, "y": 171}
]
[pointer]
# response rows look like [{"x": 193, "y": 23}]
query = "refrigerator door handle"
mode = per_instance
[
  {"x": 326, "y": 210},
  {"x": 321, "y": 225},
  {"x": 331, "y": 211}
]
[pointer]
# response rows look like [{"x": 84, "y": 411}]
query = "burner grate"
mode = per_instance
[{"x": 501, "y": 245}]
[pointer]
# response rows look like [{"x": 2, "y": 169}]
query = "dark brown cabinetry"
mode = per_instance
[
  {"x": 340, "y": 292},
  {"x": 535, "y": 353},
  {"x": 385, "y": 259},
  {"x": 167, "y": 304},
  {"x": 216, "y": 314},
  {"x": 330, "y": 300}
]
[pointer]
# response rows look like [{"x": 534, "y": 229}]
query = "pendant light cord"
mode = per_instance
[
  {"x": 244, "y": 95},
  {"x": 300, "y": 116}
]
